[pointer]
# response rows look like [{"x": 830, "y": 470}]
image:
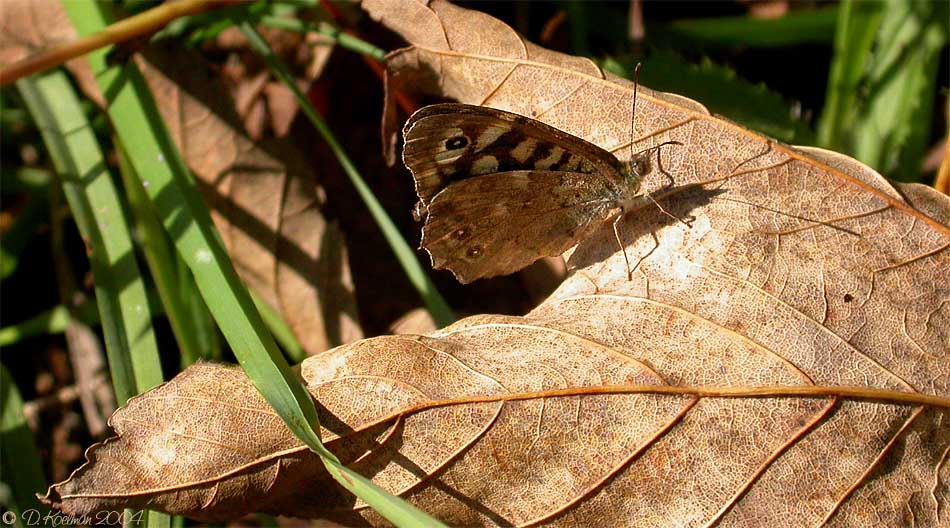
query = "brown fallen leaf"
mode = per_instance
[
  {"x": 263, "y": 195},
  {"x": 29, "y": 27},
  {"x": 265, "y": 103},
  {"x": 784, "y": 362},
  {"x": 416, "y": 321},
  {"x": 264, "y": 202}
]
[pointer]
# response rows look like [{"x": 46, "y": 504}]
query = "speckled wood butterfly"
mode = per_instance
[{"x": 498, "y": 191}]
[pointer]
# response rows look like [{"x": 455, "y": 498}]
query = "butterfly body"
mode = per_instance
[{"x": 498, "y": 191}]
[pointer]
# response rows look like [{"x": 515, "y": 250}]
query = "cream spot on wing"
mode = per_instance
[
  {"x": 572, "y": 164},
  {"x": 443, "y": 134},
  {"x": 488, "y": 136},
  {"x": 524, "y": 150},
  {"x": 448, "y": 156},
  {"x": 519, "y": 183},
  {"x": 450, "y": 133},
  {"x": 485, "y": 165},
  {"x": 555, "y": 156}
]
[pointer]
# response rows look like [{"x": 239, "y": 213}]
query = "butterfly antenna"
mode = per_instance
[
  {"x": 633, "y": 112},
  {"x": 659, "y": 159},
  {"x": 620, "y": 243}
]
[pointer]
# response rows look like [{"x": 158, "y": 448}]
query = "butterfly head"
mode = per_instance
[
  {"x": 639, "y": 165},
  {"x": 634, "y": 170}
]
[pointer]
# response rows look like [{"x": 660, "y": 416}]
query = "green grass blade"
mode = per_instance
[
  {"x": 895, "y": 123},
  {"x": 22, "y": 469},
  {"x": 52, "y": 321},
  {"x": 141, "y": 131},
  {"x": 436, "y": 305},
  {"x": 392, "y": 508},
  {"x": 56, "y": 319},
  {"x": 282, "y": 333},
  {"x": 802, "y": 26},
  {"x": 209, "y": 338},
  {"x": 857, "y": 24},
  {"x": 155, "y": 519},
  {"x": 344, "y": 40},
  {"x": 94, "y": 201},
  {"x": 162, "y": 262}
]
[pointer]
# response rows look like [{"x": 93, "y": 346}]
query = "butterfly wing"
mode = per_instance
[
  {"x": 499, "y": 223},
  {"x": 450, "y": 142}
]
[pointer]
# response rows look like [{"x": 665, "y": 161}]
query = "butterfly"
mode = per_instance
[{"x": 498, "y": 191}]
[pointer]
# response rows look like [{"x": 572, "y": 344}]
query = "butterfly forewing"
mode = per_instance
[
  {"x": 498, "y": 190},
  {"x": 449, "y": 142},
  {"x": 499, "y": 223}
]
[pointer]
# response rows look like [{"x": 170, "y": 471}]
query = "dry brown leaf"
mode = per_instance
[
  {"x": 263, "y": 195},
  {"x": 264, "y": 203},
  {"x": 306, "y": 55},
  {"x": 784, "y": 362},
  {"x": 416, "y": 321},
  {"x": 249, "y": 102},
  {"x": 28, "y": 27}
]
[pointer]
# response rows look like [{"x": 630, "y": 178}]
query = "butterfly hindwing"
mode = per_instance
[
  {"x": 498, "y": 223},
  {"x": 447, "y": 143}
]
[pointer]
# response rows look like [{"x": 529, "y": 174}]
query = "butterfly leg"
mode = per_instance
[
  {"x": 656, "y": 245},
  {"x": 626, "y": 260},
  {"x": 591, "y": 281}
]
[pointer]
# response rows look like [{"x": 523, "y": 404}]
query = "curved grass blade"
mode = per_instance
[
  {"x": 94, "y": 201},
  {"x": 162, "y": 261},
  {"x": 142, "y": 133},
  {"x": 20, "y": 462}
]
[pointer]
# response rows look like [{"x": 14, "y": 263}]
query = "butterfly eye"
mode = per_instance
[
  {"x": 640, "y": 165},
  {"x": 456, "y": 142}
]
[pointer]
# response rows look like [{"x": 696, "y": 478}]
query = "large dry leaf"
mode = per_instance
[
  {"x": 262, "y": 195},
  {"x": 784, "y": 362},
  {"x": 27, "y": 28},
  {"x": 262, "y": 101},
  {"x": 264, "y": 203}
]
